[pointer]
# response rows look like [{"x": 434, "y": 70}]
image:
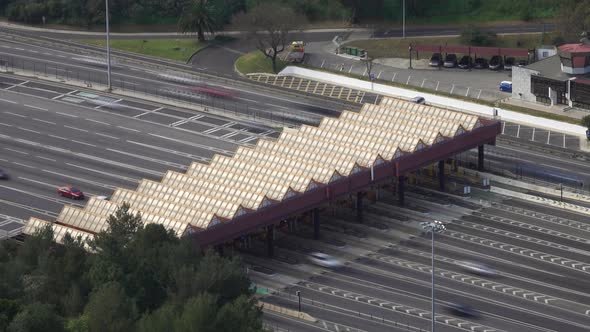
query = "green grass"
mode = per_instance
[
  {"x": 173, "y": 49},
  {"x": 256, "y": 62},
  {"x": 398, "y": 48}
]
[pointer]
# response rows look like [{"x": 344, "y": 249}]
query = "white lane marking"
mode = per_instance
[
  {"x": 134, "y": 180},
  {"x": 131, "y": 129},
  {"x": 86, "y": 156},
  {"x": 5, "y": 124},
  {"x": 51, "y": 199},
  {"x": 61, "y": 56},
  {"x": 18, "y": 48},
  {"x": 65, "y": 94},
  {"x": 24, "y": 165},
  {"x": 96, "y": 121},
  {"x": 84, "y": 143},
  {"x": 19, "y": 115},
  {"x": 78, "y": 129},
  {"x": 158, "y": 161},
  {"x": 98, "y": 184},
  {"x": 206, "y": 147},
  {"x": 44, "y": 121},
  {"x": 4, "y": 160},
  {"x": 17, "y": 151},
  {"x": 41, "y": 157},
  {"x": 59, "y": 137},
  {"x": 105, "y": 135},
  {"x": 250, "y": 100},
  {"x": 29, "y": 130},
  {"x": 66, "y": 114},
  {"x": 37, "y": 108},
  {"x": 188, "y": 155},
  {"x": 8, "y": 101},
  {"x": 246, "y": 140}
]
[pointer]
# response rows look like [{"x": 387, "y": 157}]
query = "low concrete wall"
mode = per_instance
[
  {"x": 436, "y": 100},
  {"x": 286, "y": 312}
]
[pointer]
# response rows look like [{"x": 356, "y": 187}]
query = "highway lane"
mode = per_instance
[
  {"x": 528, "y": 295},
  {"x": 142, "y": 77},
  {"x": 47, "y": 143}
]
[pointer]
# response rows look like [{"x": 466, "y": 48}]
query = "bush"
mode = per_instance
[
  {"x": 586, "y": 121},
  {"x": 476, "y": 37}
]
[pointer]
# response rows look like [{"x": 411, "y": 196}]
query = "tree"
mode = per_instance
[
  {"x": 110, "y": 310},
  {"x": 199, "y": 315},
  {"x": 573, "y": 19},
  {"x": 159, "y": 320},
  {"x": 586, "y": 121},
  {"x": 270, "y": 23},
  {"x": 36, "y": 317},
  {"x": 111, "y": 261},
  {"x": 240, "y": 315},
  {"x": 200, "y": 16}
]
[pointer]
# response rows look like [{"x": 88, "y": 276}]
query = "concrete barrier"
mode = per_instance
[
  {"x": 435, "y": 100},
  {"x": 286, "y": 312}
]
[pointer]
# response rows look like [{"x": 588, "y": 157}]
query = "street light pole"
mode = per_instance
[
  {"x": 433, "y": 227},
  {"x": 108, "y": 47},
  {"x": 299, "y": 296},
  {"x": 404, "y": 19}
]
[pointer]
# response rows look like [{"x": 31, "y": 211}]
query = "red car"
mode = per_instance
[
  {"x": 70, "y": 192},
  {"x": 212, "y": 91}
]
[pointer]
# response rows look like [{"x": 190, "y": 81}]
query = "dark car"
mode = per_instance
[
  {"x": 418, "y": 100},
  {"x": 70, "y": 192},
  {"x": 480, "y": 63},
  {"x": 509, "y": 63},
  {"x": 465, "y": 62},
  {"x": 436, "y": 60},
  {"x": 3, "y": 175},
  {"x": 462, "y": 310},
  {"x": 522, "y": 63},
  {"x": 496, "y": 62},
  {"x": 450, "y": 61}
]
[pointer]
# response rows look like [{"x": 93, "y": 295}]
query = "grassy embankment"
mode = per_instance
[
  {"x": 173, "y": 49},
  {"x": 256, "y": 62}
]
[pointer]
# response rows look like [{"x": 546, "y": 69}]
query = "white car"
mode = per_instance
[
  {"x": 324, "y": 260},
  {"x": 478, "y": 268}
]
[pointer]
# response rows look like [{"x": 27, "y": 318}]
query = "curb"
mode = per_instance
[
  {"x": 541, "y": 200},
  {"x": 286, "y": 312}
]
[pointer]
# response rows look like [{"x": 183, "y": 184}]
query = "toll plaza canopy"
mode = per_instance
[{"x": 278, "y": 178}]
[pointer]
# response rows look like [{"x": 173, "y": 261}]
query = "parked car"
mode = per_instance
[
  {"x": 506, "y": 86},
  {"x": 478, "y": 268},
  {"x": 462, "y": 310},
  {"x": 3, "y": 175},
  {"x": 450, "y": 61},
  {"x": 522, "y": 63},
  {"x": 465, "y": 62},
  {"x": 325, "y": 260},
  {"x": 496, "y": 62},
  {"x": 436, "y": 60},
  {"x": 418, "y": 100},
  {"x": 480, "y": 63},
  {"x": 70, "y": 192},
  {"x": 509, "y": 63}
]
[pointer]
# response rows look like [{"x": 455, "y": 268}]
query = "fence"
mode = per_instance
[
  {"x": 157, "y": 90},
  {"x": 526, "y": 175},
  {"x": 389, "y": 74},
  {"x": 309, "y": 301}
]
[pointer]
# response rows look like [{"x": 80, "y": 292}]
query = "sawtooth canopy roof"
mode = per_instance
[{"x": 299, "y": 160}]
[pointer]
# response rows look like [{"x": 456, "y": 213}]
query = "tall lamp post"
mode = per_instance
[
  {"x": 108, "y": 48},
  {"x": 433, "y": 227},
  {"x": 404, "y": 19}
]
